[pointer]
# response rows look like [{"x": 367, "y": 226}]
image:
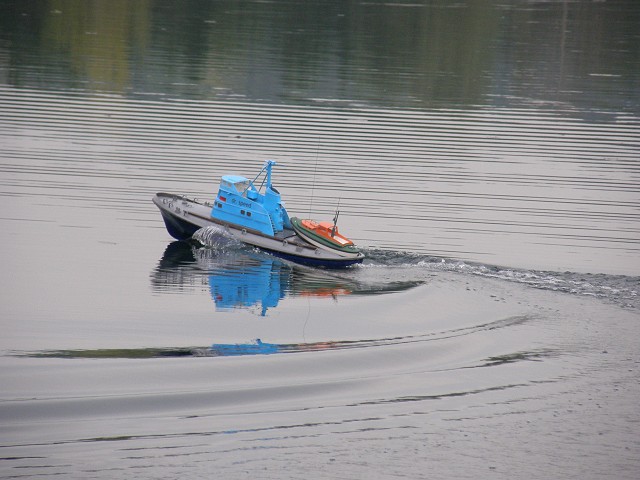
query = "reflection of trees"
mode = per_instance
[
  {"x": 98, "y": 37},
  {"x": 94, "y": 43},
  {"x": 350, "y": 50},
  {"x": 565, "y": 51},
  {"x": 384, "y": 54},
  {"x": 438, "y": 51}
]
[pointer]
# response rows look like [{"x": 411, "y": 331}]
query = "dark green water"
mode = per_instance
[{"x": 486, "y": 157}]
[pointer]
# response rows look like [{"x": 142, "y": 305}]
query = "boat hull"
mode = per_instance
[
  {"x": 183, "y": 217},
  {"x": 177, "y": 227}
]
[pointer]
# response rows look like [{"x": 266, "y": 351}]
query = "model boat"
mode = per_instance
[{"x": 257, "y": 216}]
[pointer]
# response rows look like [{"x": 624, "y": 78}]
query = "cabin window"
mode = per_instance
[
  {"x": 248, "y": 214},
  {"x": 242, "y": 187},
  {"x": 241, "y": 212}
]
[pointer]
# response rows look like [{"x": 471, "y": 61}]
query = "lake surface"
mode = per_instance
[{"x": 485, "y": 156}]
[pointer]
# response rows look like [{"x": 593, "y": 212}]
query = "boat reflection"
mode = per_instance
[
  {"x": 238, "y": 278},
  {"x": 258, "y": 347},
  {"x": 241, "y": 280}
]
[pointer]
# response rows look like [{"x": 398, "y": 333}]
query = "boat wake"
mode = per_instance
[
  {"x": 621, "y": 290},
  {"x": 258, "y": 347}
]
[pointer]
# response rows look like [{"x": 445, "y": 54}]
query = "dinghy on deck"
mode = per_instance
[{"x": 325, "y": 235}]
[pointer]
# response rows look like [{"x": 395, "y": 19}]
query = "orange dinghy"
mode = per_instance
[{"x": 325, "y": 235}]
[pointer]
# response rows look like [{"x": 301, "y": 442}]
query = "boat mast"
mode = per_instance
[{"x": 267, "y": 167}]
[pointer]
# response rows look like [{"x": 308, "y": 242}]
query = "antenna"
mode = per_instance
[
  {"x": 313, "y": 185},
  {"x": 335, "y": 220}
]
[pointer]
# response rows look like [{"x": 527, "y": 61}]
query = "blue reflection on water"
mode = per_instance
[
  {"x": 238, "y": 277},
  {"x": 248, "y": 282},
  {"x": 241, "y": 278},
  {"x": 256, "y": 348}
]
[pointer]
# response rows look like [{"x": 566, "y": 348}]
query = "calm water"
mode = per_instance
[{"x": 485, "y": 155}]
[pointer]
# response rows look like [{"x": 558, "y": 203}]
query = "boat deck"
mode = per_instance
[{"x": 285, "y": 234}]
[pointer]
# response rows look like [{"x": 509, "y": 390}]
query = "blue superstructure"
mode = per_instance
[{"x": 240, "y": 203}]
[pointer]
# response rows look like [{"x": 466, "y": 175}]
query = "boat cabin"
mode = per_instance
[{"x": 243, "y": 205}]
